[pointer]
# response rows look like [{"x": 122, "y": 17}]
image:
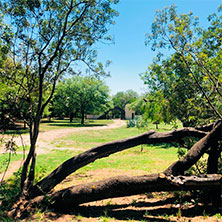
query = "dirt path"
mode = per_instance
[{"x": 45, "y": 138}]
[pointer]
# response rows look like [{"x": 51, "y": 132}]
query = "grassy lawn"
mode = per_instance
[
  {"x": 87, "y": 139},
  {"x": 55, "y": 124},
  {"x": 4, "y": 160},
  {"x": 162, "y": 127},
  {"x": 134, "y": 161},
  {"x": 151, "y": 159}
]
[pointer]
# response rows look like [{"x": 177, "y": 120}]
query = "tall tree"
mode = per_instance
[
  {"x": 48, "y": 38},
  {"x": 209, "y": 138},
  {"x": 170, "y": 87},
  {"x": 120, "y": 99},
  {"x": 81, "y": 95},
  {"x": 197, "y": 50}
]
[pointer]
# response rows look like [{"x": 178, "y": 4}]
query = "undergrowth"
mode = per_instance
[{"x": 9, "y": 191}]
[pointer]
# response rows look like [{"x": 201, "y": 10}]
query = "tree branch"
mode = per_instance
[
  {"x": 104, "y": 150},
  {"x": 196, "y": 151}
]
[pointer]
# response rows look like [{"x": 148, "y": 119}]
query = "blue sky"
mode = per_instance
[{"x": 129, "y": 55}]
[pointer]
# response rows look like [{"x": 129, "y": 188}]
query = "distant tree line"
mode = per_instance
[{"x": 74, "y": 97}]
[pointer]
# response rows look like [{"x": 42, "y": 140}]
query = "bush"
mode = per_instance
[
  {"x": 138, "y": 122},
  {"x": 131, "y": 123}
]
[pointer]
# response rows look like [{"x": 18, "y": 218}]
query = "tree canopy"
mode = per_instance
[
  {"x": 190, "y": 77},
  {"x": 47, "y": 39},
  {"x": 80, "y": 96},
  {"x": 120, "y": 99}
]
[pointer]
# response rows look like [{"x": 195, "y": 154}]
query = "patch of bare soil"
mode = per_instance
[
  {"x": 12, "y": 168},
  {"x": 147, "y": 207},
  {"x": 45, "y": 138}
]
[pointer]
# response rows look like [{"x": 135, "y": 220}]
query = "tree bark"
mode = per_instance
[
  {"x": 213, "y": 196},
  {"x": 82, "y": 115},
  {"x": 116, "y": 187},
  {"x": 196, "y": 151},
  {"x": 208, "y": 127},
  {"x": 212, "y": 162},
  {"x": 71, "y": 117},
  {"x": 126, "y": 186},
  {"x": 104, "y": 150}
]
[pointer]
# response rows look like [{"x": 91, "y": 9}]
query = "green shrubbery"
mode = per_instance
[{"x": 138, "y": 122}]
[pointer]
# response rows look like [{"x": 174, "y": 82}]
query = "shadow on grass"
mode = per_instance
[
  {"x": 157, "y": 211},
  {"x": 75, "y": 125},
  {"x": 17, "y": 131},
  {"x": 163, "y": 145}
]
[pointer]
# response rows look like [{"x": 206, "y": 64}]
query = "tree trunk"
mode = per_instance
[
  {"x": 212, "y": 162},
  {"x": 30, "y": 159},
  {"x": 24, "y": 125},
  {"x": 116, "y": 187},
  {"x": 104, "y": 150},
  {"x": 213, "y": 196},
  {"x": 71, "y": 117},
  {"x": 125, "y": 186},
  {"x": 196, "y": 151},
  {"x": 82, "y": 116}
]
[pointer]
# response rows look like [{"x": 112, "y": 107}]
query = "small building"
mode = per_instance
[
  {"x": 91, "y": 116},
  {"x": 129, "y": 114}
]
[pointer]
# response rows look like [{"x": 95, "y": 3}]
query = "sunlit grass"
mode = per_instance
[
  {"x": 133, "y": 161},
  {"x": 87, "y": 139},
  {"x": 152, "y": 158},
  {"x": 55, "y": 124},
  {"x": 4, "y": 158}
]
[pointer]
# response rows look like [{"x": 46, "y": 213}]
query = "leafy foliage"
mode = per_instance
[
  {"x": 120, "y": 99},
  {"x": 187, "y": 84},
  {"x": 45, "y": 40},
  {"x": 80, "y": 96}
]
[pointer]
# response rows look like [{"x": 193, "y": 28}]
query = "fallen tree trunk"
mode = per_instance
[
  {"x": 208, "y": 127},
  {"x": 126, "y": 186},
  {"x": 104, "y": 150},
  {"x": 117, "y": 187}
]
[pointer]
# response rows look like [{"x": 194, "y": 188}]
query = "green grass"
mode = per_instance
[
  {"x": 4, "y": 160},
  {"x": 55, "y": 124},
  {"x": 17, "y": 131},
  {"x": 162, "y": 127},
  {"x": 85, "y": 140},
  {"x": 90, "y": 138},
  {"x": 49, "y": 162},
  {"x": 153, "y": 158}
]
